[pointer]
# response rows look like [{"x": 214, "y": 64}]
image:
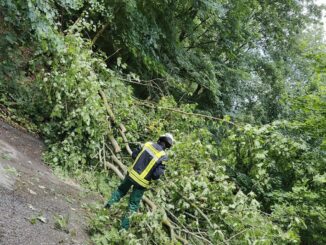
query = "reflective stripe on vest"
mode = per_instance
[{"x": 140, "y": 178}]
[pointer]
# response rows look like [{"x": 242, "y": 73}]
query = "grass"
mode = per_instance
[
  {"x": 10, "y": 170},
  {"x": 61, "y": 222},
  {"x": 5, "y": 156}
]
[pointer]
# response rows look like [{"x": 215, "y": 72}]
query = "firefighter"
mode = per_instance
[{"x": 148, "y": 165}]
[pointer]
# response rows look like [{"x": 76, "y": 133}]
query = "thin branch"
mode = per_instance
[
  {"x": 99, "y": 33},
  {"x": 195, "y": 235},
  {"x": 112, "y": 54},
  {"x": 153, "y": 106},
  {"x": 141, "y": 82},
  {"x": 196, "y": 27},
  {"x": 239, "y": 233}
]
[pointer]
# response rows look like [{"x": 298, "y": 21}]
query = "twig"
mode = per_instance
[
  {"x": 153, "y": 106},
  {"x": 201, "y": 212},
  {"x": 195, "y": 235},
  {"x": 239, "y": 233},
  {"x": 100, "y": 157},
  {"x": 112, "y": 54},
  {"x": 104, "y": 152},
  {"x": 143, "y": 84},
  {"x": 190, "y": 215}
]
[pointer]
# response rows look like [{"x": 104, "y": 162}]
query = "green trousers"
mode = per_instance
[{"x": 134, "y": 200}]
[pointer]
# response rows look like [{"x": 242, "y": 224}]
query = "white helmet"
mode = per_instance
[{"x": 168, "y": 138}]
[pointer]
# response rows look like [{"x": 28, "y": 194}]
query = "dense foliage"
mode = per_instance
[
  {"x": 220, "y": 54},
  {"x": 260, "y": 180}
]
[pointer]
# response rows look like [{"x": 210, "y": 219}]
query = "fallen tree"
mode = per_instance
[{"x": 166, "y": 221}]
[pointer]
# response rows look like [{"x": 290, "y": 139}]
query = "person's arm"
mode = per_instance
[
  {"x": 159, "y": 169},
  {"x": 136, "y": 152}
]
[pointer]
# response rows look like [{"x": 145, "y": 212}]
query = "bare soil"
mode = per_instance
[{"x": 32, "y": 197}]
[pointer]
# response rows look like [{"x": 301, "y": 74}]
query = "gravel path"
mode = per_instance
[{"x": 36, "y": 207}]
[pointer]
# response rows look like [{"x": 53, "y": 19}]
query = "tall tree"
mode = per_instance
[{"x": 210, "y": 52}]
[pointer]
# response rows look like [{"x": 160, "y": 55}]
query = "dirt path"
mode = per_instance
[{"x": 32, "y": 198}]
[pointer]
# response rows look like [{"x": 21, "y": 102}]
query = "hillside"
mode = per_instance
[{"x": 33, "y": 199}]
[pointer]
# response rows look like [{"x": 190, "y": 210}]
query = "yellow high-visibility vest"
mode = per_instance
[{"x": 140, "y": 177}]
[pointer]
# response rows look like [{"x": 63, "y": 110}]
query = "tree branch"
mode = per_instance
[
  {"x": 99, "y": 33},
  {"x": 150, "y": 105},
  {"x": 148, "y": 202},
  {"x": 114, "y": 144},
  {"x": 122, "y": 129}
]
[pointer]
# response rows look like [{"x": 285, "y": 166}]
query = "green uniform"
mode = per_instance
[{"x": 134, "y": 201}]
